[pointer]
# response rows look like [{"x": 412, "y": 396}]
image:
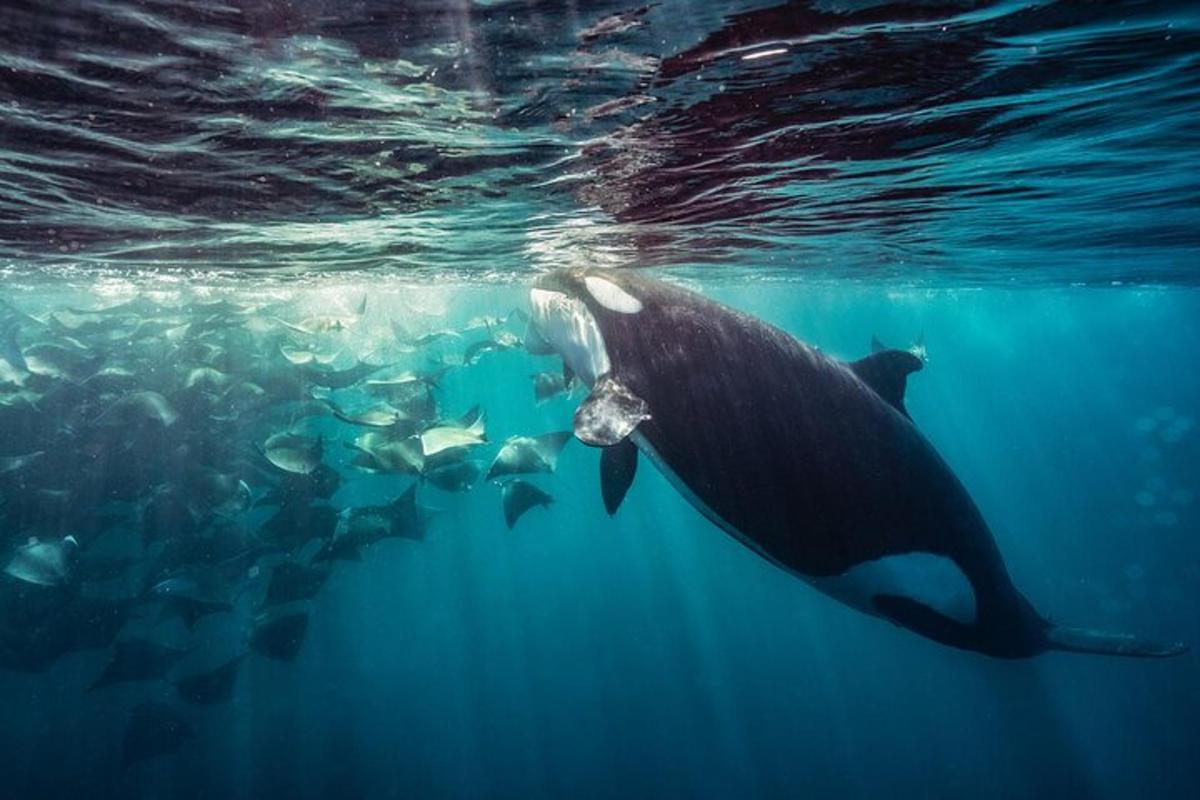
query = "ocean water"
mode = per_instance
[{"x": 211, "y": 215}]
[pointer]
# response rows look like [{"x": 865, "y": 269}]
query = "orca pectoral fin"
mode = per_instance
[
  {"x": 609, "y": 414},
  {"x": 886, "y": 372},
  {"x": 618, "y": 465},
  {"x": 1082, "y": 640}
]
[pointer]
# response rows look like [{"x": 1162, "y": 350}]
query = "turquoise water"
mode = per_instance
[
  {"x": 582, "y": 655},
  {"x": 1009, "y": 184}
]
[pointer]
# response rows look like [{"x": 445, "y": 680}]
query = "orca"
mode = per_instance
[{"x": 811, "y": 462}]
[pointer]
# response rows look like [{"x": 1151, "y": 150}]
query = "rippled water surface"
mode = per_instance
[{"x": 991, "y": 141}]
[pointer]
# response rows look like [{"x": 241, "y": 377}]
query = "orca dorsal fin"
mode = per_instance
[
  {"x": 618, "y": 465},
  {"x": 609, "y": 413},
  {"x": 886, "y": 372}
]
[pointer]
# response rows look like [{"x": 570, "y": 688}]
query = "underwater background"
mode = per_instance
[{"x": 197, "y": 199}]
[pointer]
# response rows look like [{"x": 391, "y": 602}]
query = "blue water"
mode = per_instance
[{"x": 1011, "y": 183}]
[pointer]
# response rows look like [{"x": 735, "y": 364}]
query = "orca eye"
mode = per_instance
[{"x": 611, "y": 296}]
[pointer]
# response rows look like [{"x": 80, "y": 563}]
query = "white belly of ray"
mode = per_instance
[{"x": 927, "y": 578}]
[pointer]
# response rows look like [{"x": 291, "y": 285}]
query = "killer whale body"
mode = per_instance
[{"x": 811, "y": 462}]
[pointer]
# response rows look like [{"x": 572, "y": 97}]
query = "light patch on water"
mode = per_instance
[
  {"x": 572, "y": 242},
  {"x": 1166, "y": 519},
  {"x": 777, "y": 51}
]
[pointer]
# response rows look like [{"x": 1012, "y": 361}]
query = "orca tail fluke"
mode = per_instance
[
  {"x": 1085, "y": 640},
  {"x": 1019, "y": 636}
]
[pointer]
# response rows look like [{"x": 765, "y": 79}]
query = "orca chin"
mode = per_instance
[{"x": 565, "y": 325}]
